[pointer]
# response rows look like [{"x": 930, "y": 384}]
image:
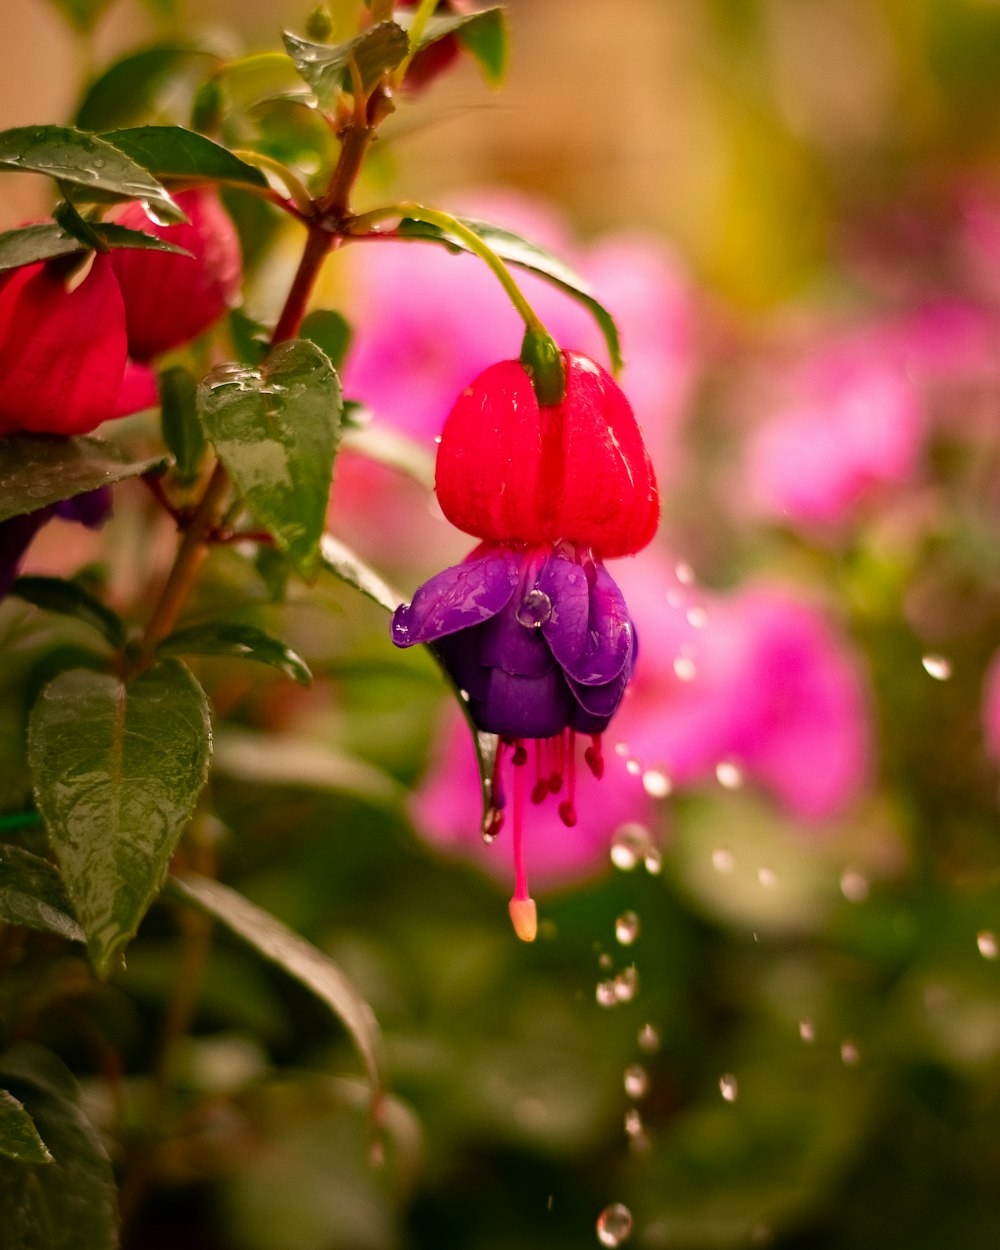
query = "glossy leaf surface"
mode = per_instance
[
  {"x": 47, "y": 240},
  {"x": 69, "y": 598},
  {"x": 19, "y": 1138},
  {"x": 173, "y": 153},
  {"x": 325, "y": 67},
  {"x": 32, "y": 894},
  {"x": 234, "y": 639}
]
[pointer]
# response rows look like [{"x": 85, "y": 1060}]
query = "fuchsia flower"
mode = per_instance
[
  {"x": 91, "y": 509},
  {"x": 531, "y": 625}
]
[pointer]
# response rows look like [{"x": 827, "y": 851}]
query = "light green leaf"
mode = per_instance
[
  {"x": 38, "y": 470},
  {"x": 32, "y": 894},
  {"x": 90, "y": 165},
  {"x": 128, "y": 90},
  {"x": 29, "y": 244},
  {"x": 301, "y": 960},
  {"x": 231, "y": 638},
  {"x": 325, "y": 66},
  {"x": 117, "y": 770},
  {"x": 515, "y": 250},
  {"x": 69, "y": 598},
  {"x": 19, "y": 1138},
  {"x": 69, "y": 1203},
  {"x": 276, "y": 430},
  {"x": 175, "y": 154}
]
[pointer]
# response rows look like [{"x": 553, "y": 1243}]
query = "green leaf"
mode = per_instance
[
  {"x": 341, "y": 561},
  {"x": 329, "y": 331},
  {"x": 325, "y": 67},
  {"x": 179, "y": 421},
  {"x": 516, "y": 250},
  {"x": 18, "y": 1136},
  {"x": 276, "y": 430},
  {"x": 235, "y": 639},
  {"x": 316, "y": 971},
  {"x": 69, "y": 1203},
  {"x": 32, "y": 894},
  {"x": 57, "y": 594},
  {"x": 117, "y": 770},
  {"x": 39, "y": 470},
  {"x": 96, "y": 170},
  {"x": 175, "y": 154},
  {"x": 483, "y": 33},
  {"x": 29, "y": 244},
  {"x": 127, "y": 91},
  {"x": 82, "y": 14}
]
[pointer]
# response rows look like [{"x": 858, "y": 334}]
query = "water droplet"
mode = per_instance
[
  {"x": 633, "y": 768},
  {"x": 656, "y": 783},
  {"x": 633, "y": 1121},
  {"x": 729, "y": 775},
  {"x": 653, "y": 861},
  {"x": 626, "y": 984},
  {"x": 853, "y": 885},
  {"x": 631, "y": 843},
  {"x": 605, "y": 994},
  {"x": 807, "y": 1031},
  {"x": 684, "y": 668},
  {"x": 621, "y": 749},
  {"x": 728, "y": 1087},
  {"x": 534, "y": 609},
  {"x": 937, "y": 666},
  {"x": 636, "y": 1081},
  {"x": 614, "y": 1224},
  {"x": 627, "y": 928},
  {"x": 697, "y": 618},
  {"x": 987, "y": 943},
  {"x": 767, "y": 877},
  {"x": 849, "y": 1053},
  {"x": 722, "y": 860},
  {"x": 437, "y": 439},
  {"x": 649, "y": 1039},
  {"x": 605, "y": 962},
  {"x": 684, "y": 573}
]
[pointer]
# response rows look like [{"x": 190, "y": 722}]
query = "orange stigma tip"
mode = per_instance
[{"x": 524, "y": 917}]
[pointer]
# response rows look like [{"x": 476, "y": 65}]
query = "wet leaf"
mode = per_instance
[
  {"x": 117, "y": 797},
  {"x": 325, "y": 66},
  {"x": 69, "y": 1203},
  {"x": 96, "y": 170},
  {"x": 175, "y": 154},
  {"x": 69, "y": 598},
  {"x": 32, "y": 894},
  {"x": 36, "y": 470},
  {"x": 179, "y": 421},
  {"x": 301, "y": 960},
  {"x": 276, "y": 430},
  {"x": 29, "y": 244},
  {"x": 128, "y": 90},
  {"x": 19, "y": 1138},
  {"x": 519, "y": 251},
  {"x": 246, "y": 642}
]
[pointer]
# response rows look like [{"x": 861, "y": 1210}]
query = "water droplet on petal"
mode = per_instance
[
  {"x": 627, "y": 928},
  {"x": 614, "y": 1224},
  {"x": 656, "y": 783},
  {"x": 854, "y": 886},
  {"x": 534, "y": 609},
  {"x": 605, "y": 994},
  {"x": 649, "y": 1039},
  {"x": 807, "y": 1031},
  {"x": 937, "y": 666},
  {"x": 849, "y": 1053},
  {"x": 729, "y": 775},
  {"x": 987, "y": 943},
  {"x": 636, "y": 1081},
  {"x": 722, "y": 860},
  {"x": 728, "y": 1087}
]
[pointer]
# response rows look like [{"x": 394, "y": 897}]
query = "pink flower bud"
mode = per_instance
[
  {"x": 170, "y": 299},
  {"x": 62, "y": 347}
]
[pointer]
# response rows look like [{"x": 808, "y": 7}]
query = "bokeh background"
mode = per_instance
[{"x": 764, "y": 1007}]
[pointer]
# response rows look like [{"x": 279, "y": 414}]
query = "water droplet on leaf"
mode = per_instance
[
  {"x": 636, "y": 1081},
  {"x": 627, "y": 928}
]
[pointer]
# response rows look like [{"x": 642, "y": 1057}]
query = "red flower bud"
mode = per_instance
[
  {"x": 62, "y": 348},
  {"x": 510, "y": 470},
  {"x": 170, "y": 299}
]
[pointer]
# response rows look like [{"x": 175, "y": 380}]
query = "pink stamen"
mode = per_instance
[
  {"x": 567, "y": 808},
  {"x": 556, "y": 746},
  {"x": 541, "y": 787},
  {"x": 593, "y": 757}
]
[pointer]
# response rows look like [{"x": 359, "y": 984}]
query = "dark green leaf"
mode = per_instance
[
  {"x": 38, "y": 470},
  {"x": 516, "y": 250},
  {"x": 56, "y": 594},
  {"x": 179, "y": 421},
  {"x": 483, "y": 33},
  {"x": 276, "y": 430},
  {"x": 249, "y": 336},
  {"x": 32, "y": 894},
  {"x": 83, "y": 14},
  {"x": 127, "y": 91},
  {"x": 70, "y": 1203},
  {"x": 18, "y": 1136},
  {"x": 341, "y": 561},
  {"x": 67, "y": 217},
  {"x": 325, "y": 67},
  {"x": 297, "y": 957},
  {"x": 97, "y": 171},
  {"x": 329, "y": 331},
  {"x": 175, "y": 154},
  {"x": 235, "y": 639},
  {"x": 117, "y": 770},
  {"x": 44, "y": 242}
]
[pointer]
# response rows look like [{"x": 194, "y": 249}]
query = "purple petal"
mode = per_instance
[
  {"x": 15, "y": 538},
  {"x": 602, "y": 701},
  {"x": 524, "y": 707},
  {"x": 457, "y": 598},
  {"x": 590, "y": 631},
  {"x": 516, "y": 648},
  {"x": 91, "y": 508}
]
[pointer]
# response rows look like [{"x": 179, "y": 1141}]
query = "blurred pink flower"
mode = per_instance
[{"x": 991, "y": 709}]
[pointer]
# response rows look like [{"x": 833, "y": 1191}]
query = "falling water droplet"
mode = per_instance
[
  {"x": 649, "y": 1039},
  {"x": 722, "y": 860},
  {"x": 633, "y": 1121},
  {"x": 633, "y": 768},
  {"x": 987, "y": 943},
  {"x": 605, "y": 994},
  {"x": 653, "y": 861},
  {"x": 854, "y": 885},
  {"x": 621, "y": 749},
  {"x": 605, "y": 962},
  {"x": 807, "y": 1030},
  {"x": 614, "y": 1224},
  {"x": 849, "y": 1053},
  {"x": 684, "y": 668},
  {"x": 729, "y": 774},
  {"x": 937, "y": 666},
  {"x": 728, "y": 1087},
  {"x": 627, "y": 928},
  {"x": 767, "y": 877},
  {"x": 697, "y": 618},
  {"x": 684, "y": 573},
  {"x": 492, "y": 821},
  {"x": 656, "y": 783},
  {"x": 636, "y": 1081},
  {"x": 631, "y": 843},
  {"x": 437, "y": 439},
  {"x": 626, "y": 984}
]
